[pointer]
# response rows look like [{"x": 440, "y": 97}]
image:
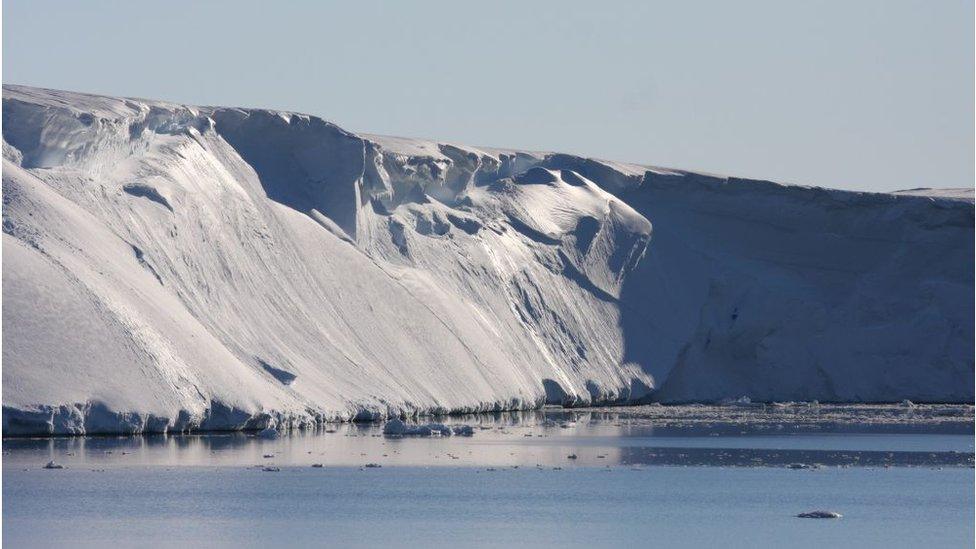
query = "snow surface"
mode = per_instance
[{"x": 169, "y": 267}]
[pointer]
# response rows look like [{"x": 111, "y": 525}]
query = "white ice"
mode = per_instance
[{"x": 169, "y": 267}]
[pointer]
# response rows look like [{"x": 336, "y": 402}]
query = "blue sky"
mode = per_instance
[{"x": 867, "y": 95}]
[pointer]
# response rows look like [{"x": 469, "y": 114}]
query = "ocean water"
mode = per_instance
[{"x": 512, "y": 484}]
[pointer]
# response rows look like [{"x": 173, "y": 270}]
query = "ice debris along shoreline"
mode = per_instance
[
  {"x": 551, "y": 438},
  {"x": 717, "y": 418},
  {"x": 796, "y": 415},
  {"x": 171, "y": 268}
]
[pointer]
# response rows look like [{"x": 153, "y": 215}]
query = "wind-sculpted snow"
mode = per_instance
[{"x": 174, "y": 268}]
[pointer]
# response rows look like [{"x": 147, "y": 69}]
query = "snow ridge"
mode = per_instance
[{"x": 171, "y": 268}]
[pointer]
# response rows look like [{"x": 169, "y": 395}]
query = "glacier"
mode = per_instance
[{"x": 170, "y": 268}]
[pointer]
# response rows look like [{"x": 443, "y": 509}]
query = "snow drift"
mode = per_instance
[{"x": 168, "y": 267}]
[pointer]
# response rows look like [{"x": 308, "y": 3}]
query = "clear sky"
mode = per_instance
[{"x": 861, "y": 94}]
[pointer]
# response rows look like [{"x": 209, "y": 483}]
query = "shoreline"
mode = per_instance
[{"x": 799, "y": 415}]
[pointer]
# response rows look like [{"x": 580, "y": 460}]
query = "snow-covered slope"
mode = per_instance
[{"x": 171, "y": 267}]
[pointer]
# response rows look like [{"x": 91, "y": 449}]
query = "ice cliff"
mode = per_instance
[{"x": 168, "y": 267}]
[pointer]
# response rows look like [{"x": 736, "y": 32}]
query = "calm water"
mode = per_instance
[{"x": 511, "y": 484}]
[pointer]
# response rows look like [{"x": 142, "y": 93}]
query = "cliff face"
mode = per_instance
[{"x": 174, "y": 267}]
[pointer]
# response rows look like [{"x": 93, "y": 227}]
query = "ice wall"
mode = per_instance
[{"x": 170, "y": 267}]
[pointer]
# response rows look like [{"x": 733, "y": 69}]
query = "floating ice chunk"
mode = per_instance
[
  {"x": 820, "y": 515},
  {"x": 438, "y": 429},
  {"x": 396, "y": 427}
]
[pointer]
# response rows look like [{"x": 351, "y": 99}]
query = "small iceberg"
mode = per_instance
[{"x": 820, "y": 515}]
